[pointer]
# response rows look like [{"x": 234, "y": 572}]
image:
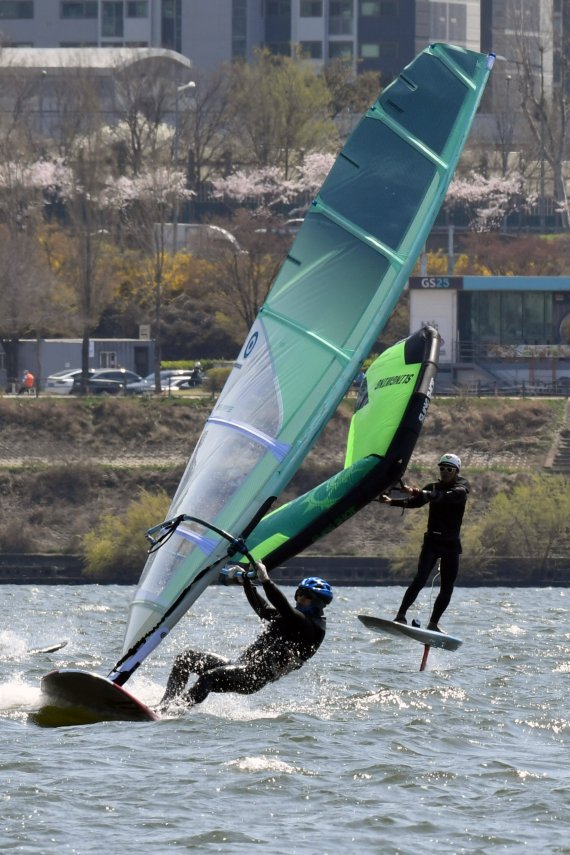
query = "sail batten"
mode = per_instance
[
  {"x": 358, "y": 233},
  {"x": 303, "y": 332},
  {"x": 446, "y": 59},
  {"x": 278, "y": 449},
  {"x": 382, "y": 116}
]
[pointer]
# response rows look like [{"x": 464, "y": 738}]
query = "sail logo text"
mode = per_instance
[
  {"x": 397, "y": 380},
  {"x": 250, "y": 345},
  {"x": 427, "y": 399}
]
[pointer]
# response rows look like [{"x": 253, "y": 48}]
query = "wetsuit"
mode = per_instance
[
  {"x": 441, "y": 540},
  {"x": 291, "y": 638}
]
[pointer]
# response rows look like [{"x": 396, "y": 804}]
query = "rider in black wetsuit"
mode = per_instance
[
  {"x": 294, "y": 634},
  {"x": 447, "y": 498}
]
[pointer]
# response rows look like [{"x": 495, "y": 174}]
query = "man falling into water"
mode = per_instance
[
  {"x": 447, "y": 498},
  {"x": 293, "y": 635}
]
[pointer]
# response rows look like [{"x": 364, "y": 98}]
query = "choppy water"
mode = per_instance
[{"x": 357, "y": 752}]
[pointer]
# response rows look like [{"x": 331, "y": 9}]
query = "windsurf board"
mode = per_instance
[
  {"x": 51, "y": 648},
  {"x": 424, "y": 636},
  {"x": 73, "y": 697}
]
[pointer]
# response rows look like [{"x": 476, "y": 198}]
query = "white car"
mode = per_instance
[{"x": 61, "y": 382}]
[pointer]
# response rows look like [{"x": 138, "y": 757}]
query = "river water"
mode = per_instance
[{"x": 357, "y": 752}]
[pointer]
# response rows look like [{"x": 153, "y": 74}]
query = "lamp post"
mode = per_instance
[
  {"x": 190, "y": 85},
  {"x": 542, "y": 212}
]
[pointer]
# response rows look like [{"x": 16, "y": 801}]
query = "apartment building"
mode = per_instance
[{"x": 380, "y": 35}]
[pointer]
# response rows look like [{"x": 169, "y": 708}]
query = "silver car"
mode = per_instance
[{"x": 61, "y": 382}]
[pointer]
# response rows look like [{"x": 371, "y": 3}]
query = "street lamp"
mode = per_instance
[
  {"x": 185, "y": 86},
  {"x": 542, "y": 212}
]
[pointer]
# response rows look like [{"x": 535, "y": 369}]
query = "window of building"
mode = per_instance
[
  {"x": 311, "y": 9},
  {"x": 344, "y": 50},
  {"x": 278, "y": 8},
  {"x": 239, "y": 29},
  {"x": 108, "y": 359},
  {"x": 77, "y": 44},
  {"x": 370, "y": 51},
  {"x": 379, "y": 8},
  {"x": 448, "y": 21},
  {"x": 137, "y": 8},
  {"x": 313, "y": 50},
  {"x": 171, "y": 24},
  {"x": 112, "y": 20},
  {"x": 341, "y": 20},
  {"x": 279, "y": 48},
  {"x": 379, "y": 50},
  {"x": 457, "y": 22},
  {"x": 78, "y": 10},
  {"x": 16, "y": 9},
  {"x": 523, "y": 15},
  {"x": 505, "y": 317}
]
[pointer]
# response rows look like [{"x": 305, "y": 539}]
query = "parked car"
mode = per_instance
[
  {"x": 167, "y": 374},
  {"x": 113, "y": 381},
  {"x": 188, "y": 382},
  {"x": 61, "y": 382}
]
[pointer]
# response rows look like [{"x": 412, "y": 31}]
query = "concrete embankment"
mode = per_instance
[{"x": 54, "y": 569}]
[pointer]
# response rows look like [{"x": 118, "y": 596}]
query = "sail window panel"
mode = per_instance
[
  {"x": 353, "y": 190},
  {"x": 332, "y": 279},
  {"x": 251, "y": 395},
  {"x": 428, "y": 108}
]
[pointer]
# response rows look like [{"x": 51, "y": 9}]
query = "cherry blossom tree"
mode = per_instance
[
  {"x": 267, "y": 187},
  {"x": 145, "y": 203},
  {"x": 487, "y": 201}
]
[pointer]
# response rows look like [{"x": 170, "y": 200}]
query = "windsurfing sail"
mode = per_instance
[
  {"x": 333, "y": 295},
  {"x": 390, "y": 411}
]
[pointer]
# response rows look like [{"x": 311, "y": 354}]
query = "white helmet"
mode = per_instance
[{"x": 450, "y": 460}]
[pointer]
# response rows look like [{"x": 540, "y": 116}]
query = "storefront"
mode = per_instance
[{"x": 506, "y": 327}]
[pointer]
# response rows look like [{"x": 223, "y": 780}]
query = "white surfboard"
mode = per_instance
[
  {"x": 424, "y": 636},
  {"x": 72, "y": 697}
]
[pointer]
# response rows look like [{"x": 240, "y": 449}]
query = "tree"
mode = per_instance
[
  {"x": 143, "y": 100},
  {"x": 243, "y": 278},
  {"x": 349, "y": 92},
  {"x": 530, "y": 522},
  {"x": 487, "y": 201},
  {"x": 267, "y": 188},
  {"x": 28, "y": 299},
  {"x": 116, "y": 549},
  {"x": 204, "y": 132},
  {"x": 145, "y": 203},
  {"x": 545, "y": 94},
  {"x": 288, "y": 115}
]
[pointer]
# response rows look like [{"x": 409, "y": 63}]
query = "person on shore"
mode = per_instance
[
  {"x": 447, "y": 498},
  {"x": 294, "y": 634},
  {"x": 28, "y": 381}
]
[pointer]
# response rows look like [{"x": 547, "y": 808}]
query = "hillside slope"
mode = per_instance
[{"x": 64, "y": 463}]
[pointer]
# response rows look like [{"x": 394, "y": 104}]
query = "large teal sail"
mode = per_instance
[{"x": 333, "y": 295}]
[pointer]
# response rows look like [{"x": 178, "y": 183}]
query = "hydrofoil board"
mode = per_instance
[
  {"x": 72, "y": 697},
  {"x": 425, "y": 636}
]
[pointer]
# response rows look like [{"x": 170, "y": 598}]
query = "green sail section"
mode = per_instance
[
  {"x": 389, "y": 384},
  {"x": 391, "y": 409},
  {"x": 332, "y": 297}
]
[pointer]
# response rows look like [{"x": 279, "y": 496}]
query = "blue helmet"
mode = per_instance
[{"x": 316, "y": 588}]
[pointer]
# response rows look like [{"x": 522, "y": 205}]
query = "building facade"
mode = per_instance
[
  {"x": 47, "y": 356},
  {"x": 503, "y": 330},
  {"x": 378, "y": 35}
]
